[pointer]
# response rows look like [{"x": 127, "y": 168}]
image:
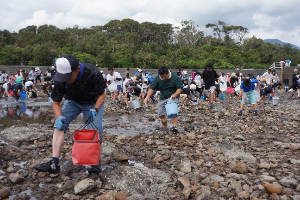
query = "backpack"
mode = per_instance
[{"x": 34, "y": 95}]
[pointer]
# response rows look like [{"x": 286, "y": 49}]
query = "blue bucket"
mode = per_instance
[
  {"x": 222, "y": 96},
  {"x": 23, "y": 96},
  {"x": 171, "y": 109}
]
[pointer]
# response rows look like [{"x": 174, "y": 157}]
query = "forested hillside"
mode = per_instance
[{"x": 128, "y": 43}]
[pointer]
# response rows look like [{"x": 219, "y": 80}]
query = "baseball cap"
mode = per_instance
[
  {"x": 65, "y": 65},
  {"x": 209, "y": 66},
  {"x": 140, "y": 70}
]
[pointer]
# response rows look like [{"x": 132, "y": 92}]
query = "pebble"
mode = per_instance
[
  {"x": 84, "y": 186},
  {"x": 4, "y": 193},
  {"x": 273, "y": 188},
  {"x": 121, "y": 158}
]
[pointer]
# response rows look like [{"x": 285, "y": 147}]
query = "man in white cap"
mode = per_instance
[{"x": 83, "y": 87}]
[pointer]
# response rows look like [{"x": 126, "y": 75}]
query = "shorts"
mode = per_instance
[
  {"x": 210, "y": 90},
  {"x": 251, "y": 95},
  {"x": 161, "y": 109},
  {"x": 119, "y": 88},
  {"x": 71, "y": 110}
]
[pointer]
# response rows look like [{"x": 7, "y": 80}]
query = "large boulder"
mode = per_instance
[{"x": 137, "y": 180}]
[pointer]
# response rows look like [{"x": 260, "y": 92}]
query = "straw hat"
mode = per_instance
[{"x": 263, "y": 79}]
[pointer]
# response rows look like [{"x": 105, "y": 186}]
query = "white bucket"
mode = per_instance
[
  {"x": 136, "y": 103},
  {"x": 275, "y": 101},
  {"x": 237, "y": 89},
  {"x": 257, "y": 96}
]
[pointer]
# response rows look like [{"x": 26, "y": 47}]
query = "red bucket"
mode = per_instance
[
  {"x": 86, "y": 147},
  {"x": 230, "y": 90}
]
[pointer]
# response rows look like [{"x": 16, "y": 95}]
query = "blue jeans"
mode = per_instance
[{"x": 71, "y": 110}]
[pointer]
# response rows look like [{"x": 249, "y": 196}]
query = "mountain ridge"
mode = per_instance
[{"x": 276, "y": 41}]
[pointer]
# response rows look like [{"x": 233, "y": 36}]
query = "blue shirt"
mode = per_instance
[{"x": 252, "y": 86}]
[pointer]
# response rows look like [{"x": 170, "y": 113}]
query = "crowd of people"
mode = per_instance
[
  {"x": 84, "y": 89},
  {"x": 207, "y": 85},
  {"x": 11, "y": 86}
]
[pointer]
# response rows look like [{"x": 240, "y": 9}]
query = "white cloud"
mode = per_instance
[{"x": 264, "y": 18}]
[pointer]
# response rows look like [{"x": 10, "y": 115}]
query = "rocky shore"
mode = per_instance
[{"x": 216, "y": 155}]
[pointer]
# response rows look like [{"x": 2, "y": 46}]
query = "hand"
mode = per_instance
[
  {"x": 94, "y": 112},
  {"x": 60, "y": 123},
  {"x": 146, "y": 100},
  {"x": 245, "y": 97},
  {"x": 173, "y": 96}
]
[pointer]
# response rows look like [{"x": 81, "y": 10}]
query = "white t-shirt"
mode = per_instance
[
  {"x": 223, "y": 79},
  {"x": 112, "y": 77},
  {"x": 3, "y": 78},
  {"x": 267, "y": 75},
  {"x": 28, "y": 84},
  {"x": 18, "y": 76},
  {"x": 197, "y": 79},
  {"x": 5, "y": 87}
]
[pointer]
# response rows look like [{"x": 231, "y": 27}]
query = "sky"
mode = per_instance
[{"x": 265, "y": 19}]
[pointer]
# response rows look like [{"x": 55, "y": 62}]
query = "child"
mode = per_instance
[{"x": 247, "y": 90}]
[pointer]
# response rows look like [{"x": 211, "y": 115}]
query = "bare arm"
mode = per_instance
[
  {"x": 100, "y": 100},
  {"x": 149, "y": 93},
  {"x": 178, "y": 92}
]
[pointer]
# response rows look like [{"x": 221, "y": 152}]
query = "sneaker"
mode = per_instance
[
  {"x": 161, "y": 128},
  {"x": 255, "y": 114},
  {"x": 174, "y": 129},
  {"x": 211, "y": 106},
  {"x": 259, "y": 103},
  {"x": 48, "y": 167},
  {"x": 240, "y": 114},
  {"x": 94, "y": 169}
]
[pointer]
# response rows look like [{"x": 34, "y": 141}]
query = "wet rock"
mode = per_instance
[
  {"x": 241, "y": 155},
  {"x": 295, "y": 146},
  {"x": 23, "y": 196},
  {"x": 136, "y": 197},
  {"x": 122, "y": 195},
  {"x": 184, "y": 181},
  {"x": 185, "y": 167},
  {"x": 273, "y": 188},
  {"x": 137, "y": 180},
  {"x": 187, "y": 192},
  {"x": 264, "y": 165},
  {"x": 121, "y": 158},
  {"x": 274, "y": 196},
  {"x": 84, "y": 186},
  {"x": 213, "y": 179},
  {"x": 240, "y": 168},
  {"x": 295, "y": 197},
  {"x": 109, "y": 195},
  {"x": 150, "y": 196},
  {"x": 289, "y": 182},
  {"x": 16, "y": 178},
  {"x": 267, "y": 178},
  {"x": 243, "y": 195},
  {"x": 4, "y": 193},
  {"x": 204, "y": 193}
]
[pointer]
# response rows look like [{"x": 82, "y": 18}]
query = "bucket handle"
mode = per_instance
[{"x": 89, "y": 121}]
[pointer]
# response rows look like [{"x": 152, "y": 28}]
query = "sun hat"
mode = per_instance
[
  {"x": 140, "y": 70},
  {"x": 65, "y": 65},
  {"x": 263, "y": 79}
]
